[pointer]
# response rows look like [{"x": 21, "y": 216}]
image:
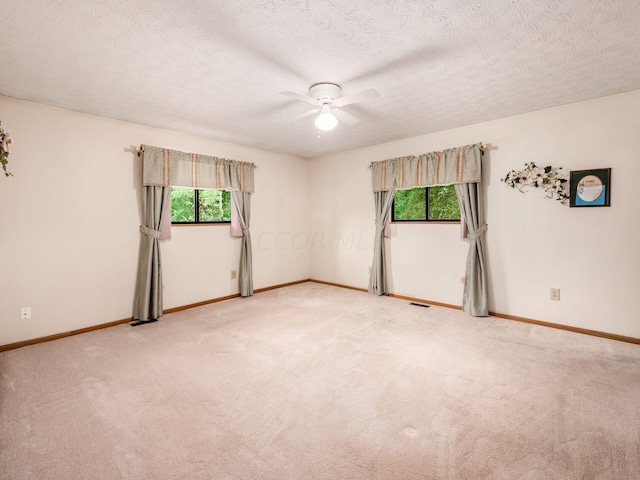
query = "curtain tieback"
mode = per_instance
[
  {"x": 245, "y": 231},
  {"x": 380, "y": 227},
  {"x": 476, "y": 233},
  {"x": 149, "y": 232}
]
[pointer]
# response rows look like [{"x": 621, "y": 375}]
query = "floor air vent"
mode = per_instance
[{"x": 419, "y": 304}]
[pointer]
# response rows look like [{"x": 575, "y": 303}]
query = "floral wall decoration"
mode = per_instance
[
  {"x": 549, "y": 179},
  {"x": 5, "y": 149}
]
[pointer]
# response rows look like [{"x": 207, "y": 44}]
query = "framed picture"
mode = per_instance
[{"x": 590, "y": 188}]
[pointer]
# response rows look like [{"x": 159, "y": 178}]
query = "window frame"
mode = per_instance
[
  {"x": 197, "y": 220},
  {"x": 426, "y": 206}
]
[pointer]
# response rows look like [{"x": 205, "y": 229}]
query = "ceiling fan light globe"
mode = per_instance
[{"x": 326, "y": 121}]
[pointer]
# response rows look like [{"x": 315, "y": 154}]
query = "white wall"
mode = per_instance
[
  {"x": 76, "y": 192},
  {"x": 533, "y": 243},
  {"x": 69, "y": 222}
]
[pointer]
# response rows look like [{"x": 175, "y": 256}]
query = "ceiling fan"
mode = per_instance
[{"x": 326, "y": 97}]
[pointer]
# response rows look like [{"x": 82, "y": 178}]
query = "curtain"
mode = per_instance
[
  {"x": 378, "y": 280},
  {"x": 242, "y": 204},
  {"x": 462, "y": 167},
  {"x": 235, "y": 229},
  {"x": 165, "y": 224},
  {"x": 165, "y": 167},
  {"x": 474, "y": 298},
  {"x": 147, "y": 306},
  {"x": 451, "y": 166}
]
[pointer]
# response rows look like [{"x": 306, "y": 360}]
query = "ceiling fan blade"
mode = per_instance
[
  {"x": 306, "y": 114},
  {"x": 345, "y": 117},
  {"x": 370, "y": 94},
  {"x": 299, "y": 96}
]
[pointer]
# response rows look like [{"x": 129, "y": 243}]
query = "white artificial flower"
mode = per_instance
[
  {"x": 538, "y": 176},
  {"x": 525, "y": 177},
  {"x": 552, "y": 186},
  {"x": 548, "y": 179},
  {"x": 6, "y": 141}
]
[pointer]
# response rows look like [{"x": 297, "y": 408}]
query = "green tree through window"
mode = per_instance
[
  {"x": 189, "y": 205},
  {"x": 427, "y": 204}
]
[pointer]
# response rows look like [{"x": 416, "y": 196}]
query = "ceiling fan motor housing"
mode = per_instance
[{"x": 325, "y": 92}]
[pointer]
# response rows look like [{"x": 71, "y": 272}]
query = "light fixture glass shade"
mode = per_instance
[{"x": 326, "y": 121}]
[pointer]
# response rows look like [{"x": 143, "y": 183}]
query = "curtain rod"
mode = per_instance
[
  {"x": 140, "y": 150},
  {"x": 482, "y": 149}
]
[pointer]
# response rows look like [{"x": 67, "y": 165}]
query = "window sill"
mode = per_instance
[
  {"x": 425, "y": 222},
  {"x": 221, "y": 224}
]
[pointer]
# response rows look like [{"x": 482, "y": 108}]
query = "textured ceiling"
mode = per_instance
[{"x": 215, "y": 68}]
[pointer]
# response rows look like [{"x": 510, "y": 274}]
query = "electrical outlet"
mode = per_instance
[
  {"x": 25, "y": 313},
  {"x": 233, "y": 274},
  {"x": 555, "y": 294}
]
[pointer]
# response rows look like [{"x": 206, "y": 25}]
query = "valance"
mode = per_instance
[
  {"x": 451, "y": 166},
  {"x": 164, "y": 167}
]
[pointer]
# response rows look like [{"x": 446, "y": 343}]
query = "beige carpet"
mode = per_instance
[{"x": 318, "y": 382}]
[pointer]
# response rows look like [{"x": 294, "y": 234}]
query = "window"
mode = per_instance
[
  {"x": 190, "y": 206},
  {"x": 426, "y": 204}
]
